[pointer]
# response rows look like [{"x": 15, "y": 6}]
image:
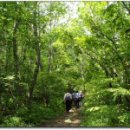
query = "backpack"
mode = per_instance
[
  {"x": 68, "y": 97},
  {"x": 75, "y": 96}
]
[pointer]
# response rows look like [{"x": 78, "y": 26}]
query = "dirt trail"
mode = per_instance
[{"x": 71, "y": 119}]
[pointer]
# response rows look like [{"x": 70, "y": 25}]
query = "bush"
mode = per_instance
[
  {"x": 13, "y": 122},
  {"x": 106, "y": 116},
  {"x": 103, "y": 109},
  {"x": 39, "y": 113},
  {"x": 22, "y": 112}
]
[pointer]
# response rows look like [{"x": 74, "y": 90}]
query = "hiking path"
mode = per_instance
[{"x": 71, "y": 119}]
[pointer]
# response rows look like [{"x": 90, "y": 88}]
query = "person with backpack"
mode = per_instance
[
  {"x": 75, "y": 96},
  {"x": 68, "y": 101}
]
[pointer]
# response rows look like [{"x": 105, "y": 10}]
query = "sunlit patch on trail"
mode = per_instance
[
  {"x": 68, "y": 121},
  {"x": 76, "y": 121}
]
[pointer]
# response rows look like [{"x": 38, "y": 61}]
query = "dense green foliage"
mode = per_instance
[
  {"x": 44, "y": 49},
  {"x": 106, "y": 48}
]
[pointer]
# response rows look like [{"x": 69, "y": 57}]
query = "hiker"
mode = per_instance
[
  {"x": 68, "y": 101},
  {"x": 75, "y": 96}
]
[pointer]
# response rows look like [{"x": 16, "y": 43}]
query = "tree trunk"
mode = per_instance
[
  {"x": 15, "y": 50},
  {"x": 50, "y": 51},
  {"x": 38, "y": 60}
]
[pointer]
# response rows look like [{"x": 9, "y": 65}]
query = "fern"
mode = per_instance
[{"x": 116, "y": 92}]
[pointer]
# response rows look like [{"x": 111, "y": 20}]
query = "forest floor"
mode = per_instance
[{"x": 71, "y": 119}]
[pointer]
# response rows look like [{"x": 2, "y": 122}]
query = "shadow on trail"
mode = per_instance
[{"x": 71, "y": 119}]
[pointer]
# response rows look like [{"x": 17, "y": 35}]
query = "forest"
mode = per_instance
[{"x": 49, "y": 47}]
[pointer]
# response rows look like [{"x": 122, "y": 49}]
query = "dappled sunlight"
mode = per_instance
[
  {"x": 68, "y": 121},
  {"x": 65, "y": 64},
  {"x": 76, "y": 121},
  {"x": 72, "y": 118}
]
